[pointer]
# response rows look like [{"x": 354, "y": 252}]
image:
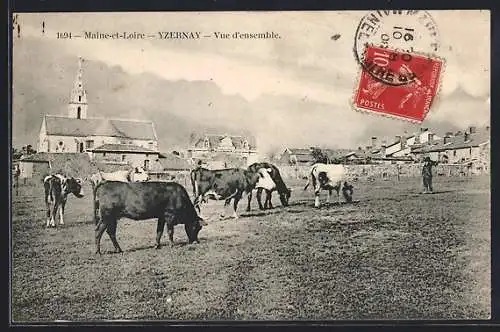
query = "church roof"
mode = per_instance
[{"x": 132, "y": 129}]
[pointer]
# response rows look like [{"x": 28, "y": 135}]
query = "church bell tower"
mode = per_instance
[{"x": 78, "y": 99}]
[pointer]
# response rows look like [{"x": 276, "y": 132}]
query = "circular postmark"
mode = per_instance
[{"x": 401, "y": 33}]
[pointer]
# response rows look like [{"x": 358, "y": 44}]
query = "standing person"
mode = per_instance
[{"x": 427, "y": 174}]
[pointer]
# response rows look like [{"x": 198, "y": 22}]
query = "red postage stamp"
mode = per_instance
[{"x": 397, "y": 83}]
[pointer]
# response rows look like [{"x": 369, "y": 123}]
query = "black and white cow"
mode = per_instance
[
  {"x": 167, "y": 201},
  {"x": 57, "y": 188},
  {"x": 222, "y": 184},
  {"x": 329, "y": 177},
  {"x": 269, "y": 180}
]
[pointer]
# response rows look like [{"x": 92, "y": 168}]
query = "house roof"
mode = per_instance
[
  {"x": 458, "y": 142},
  {"x": 73, "y": 164},
  {"x": 299, "y": 151},
  {"x": 215, "y": 140},
  {"x": 132, "y": 129},
  {"x": 173, "y": 162},
  {"x": 122, "y": 148}
]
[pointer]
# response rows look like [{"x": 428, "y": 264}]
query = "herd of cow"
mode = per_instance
[{"x": 131, "y": 195}]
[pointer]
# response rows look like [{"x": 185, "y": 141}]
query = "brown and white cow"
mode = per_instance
[
  {"x": 222, "y": 184},
  {"x": 269, "y": 180},
  {"x": 57, "y": 188},
  {"x": 329, "y": 177}
]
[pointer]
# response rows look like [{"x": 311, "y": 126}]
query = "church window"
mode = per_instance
[
  {"x": 78, "y": 112},
  {"x": 79, "y": 98},
  {"x": 124, "y": 157}
]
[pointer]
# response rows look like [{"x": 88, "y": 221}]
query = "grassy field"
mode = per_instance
[{"x": 392, "y": 254}]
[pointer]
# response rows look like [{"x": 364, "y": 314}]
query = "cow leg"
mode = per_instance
[
  {"x": 99, "y": 230},
  {"x": 235, "y": 204},
  {"x": 249, "y": 200},
  {"x": 111, "y": 230},
  {"x": 54, "y": 213},
  {"x": 170, "y": 231},
  {"x": 259, "y": 198},
  {"x": 159, "y": 230},
  {"x": 338, "y": 193},
  {"x": 270, "y": 196},
  {"x": 48, "y": 213},
  {"x": 61, "y": 212},
  {"x": 268, "y": 204},
  {"x": 316, "y": 197}
]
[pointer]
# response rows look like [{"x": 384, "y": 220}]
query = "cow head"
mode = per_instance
[
  {"x": 193, "y": 229},
  {"x": 285, "y": 196},
  {"x": 347, "y": 191},
  {"x": 74, "y": 186}
]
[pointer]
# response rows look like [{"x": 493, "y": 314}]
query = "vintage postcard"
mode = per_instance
[{"x": 329, "y": 165}]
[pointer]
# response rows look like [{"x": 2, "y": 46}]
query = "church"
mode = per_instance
[{"x": 123, "y": 141}]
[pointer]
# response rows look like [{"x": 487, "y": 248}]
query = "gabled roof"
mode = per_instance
[
  {"x": 132, "y": 129},
  {"x": 458, "y": 142},
  {"x": 122, "y": 148},
  {"x": 299, "y": 151},
  {"x": 214, "y": 141}
]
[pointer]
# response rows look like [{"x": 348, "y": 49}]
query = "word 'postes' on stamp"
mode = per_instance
[{"x": 410, "y": 101}]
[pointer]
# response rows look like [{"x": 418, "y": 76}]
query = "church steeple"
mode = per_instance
[{"x": 78, "y": 99}]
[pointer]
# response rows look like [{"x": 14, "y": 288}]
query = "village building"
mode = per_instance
[
  {"x": 133, "y": 142},
  {"x": 470, "y": 146},
  {"x": 227, "y": 150},
  {"x": 296, "y": 156}
]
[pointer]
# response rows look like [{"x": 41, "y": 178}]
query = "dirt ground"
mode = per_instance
[{"x": 392, "y": 254}]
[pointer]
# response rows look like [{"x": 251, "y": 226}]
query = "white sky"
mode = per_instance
[{"x": 304, "y": 62}]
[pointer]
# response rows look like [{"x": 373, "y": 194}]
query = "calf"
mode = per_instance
[
  {"x": 269, "y": 180},
  {"x": 222, "y": 184},
  {"x": 167, "y": 201},
  {"x": 57, "y": 188},
  {"x": 329, "y": 177}
]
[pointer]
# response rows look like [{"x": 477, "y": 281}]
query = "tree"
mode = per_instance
[{"x": 319, "y": 156}]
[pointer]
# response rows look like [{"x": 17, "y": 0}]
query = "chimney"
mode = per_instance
[
  {"x": 446, "y": 139},
  {"x": 430, "y": 138},
  {"x": 466, "y": 136},
  {"x": 403, "y": 140},
  {"x": 449, "y": 134},
  {"x": 382, "y": 150},
  {"x": 423, "y": 130},
  {"x": 417, "y": 139},
  {"x": 472, "y": 129},
  {"x": 397, "y": 138},
  {"x": 374, "y": 141}
]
